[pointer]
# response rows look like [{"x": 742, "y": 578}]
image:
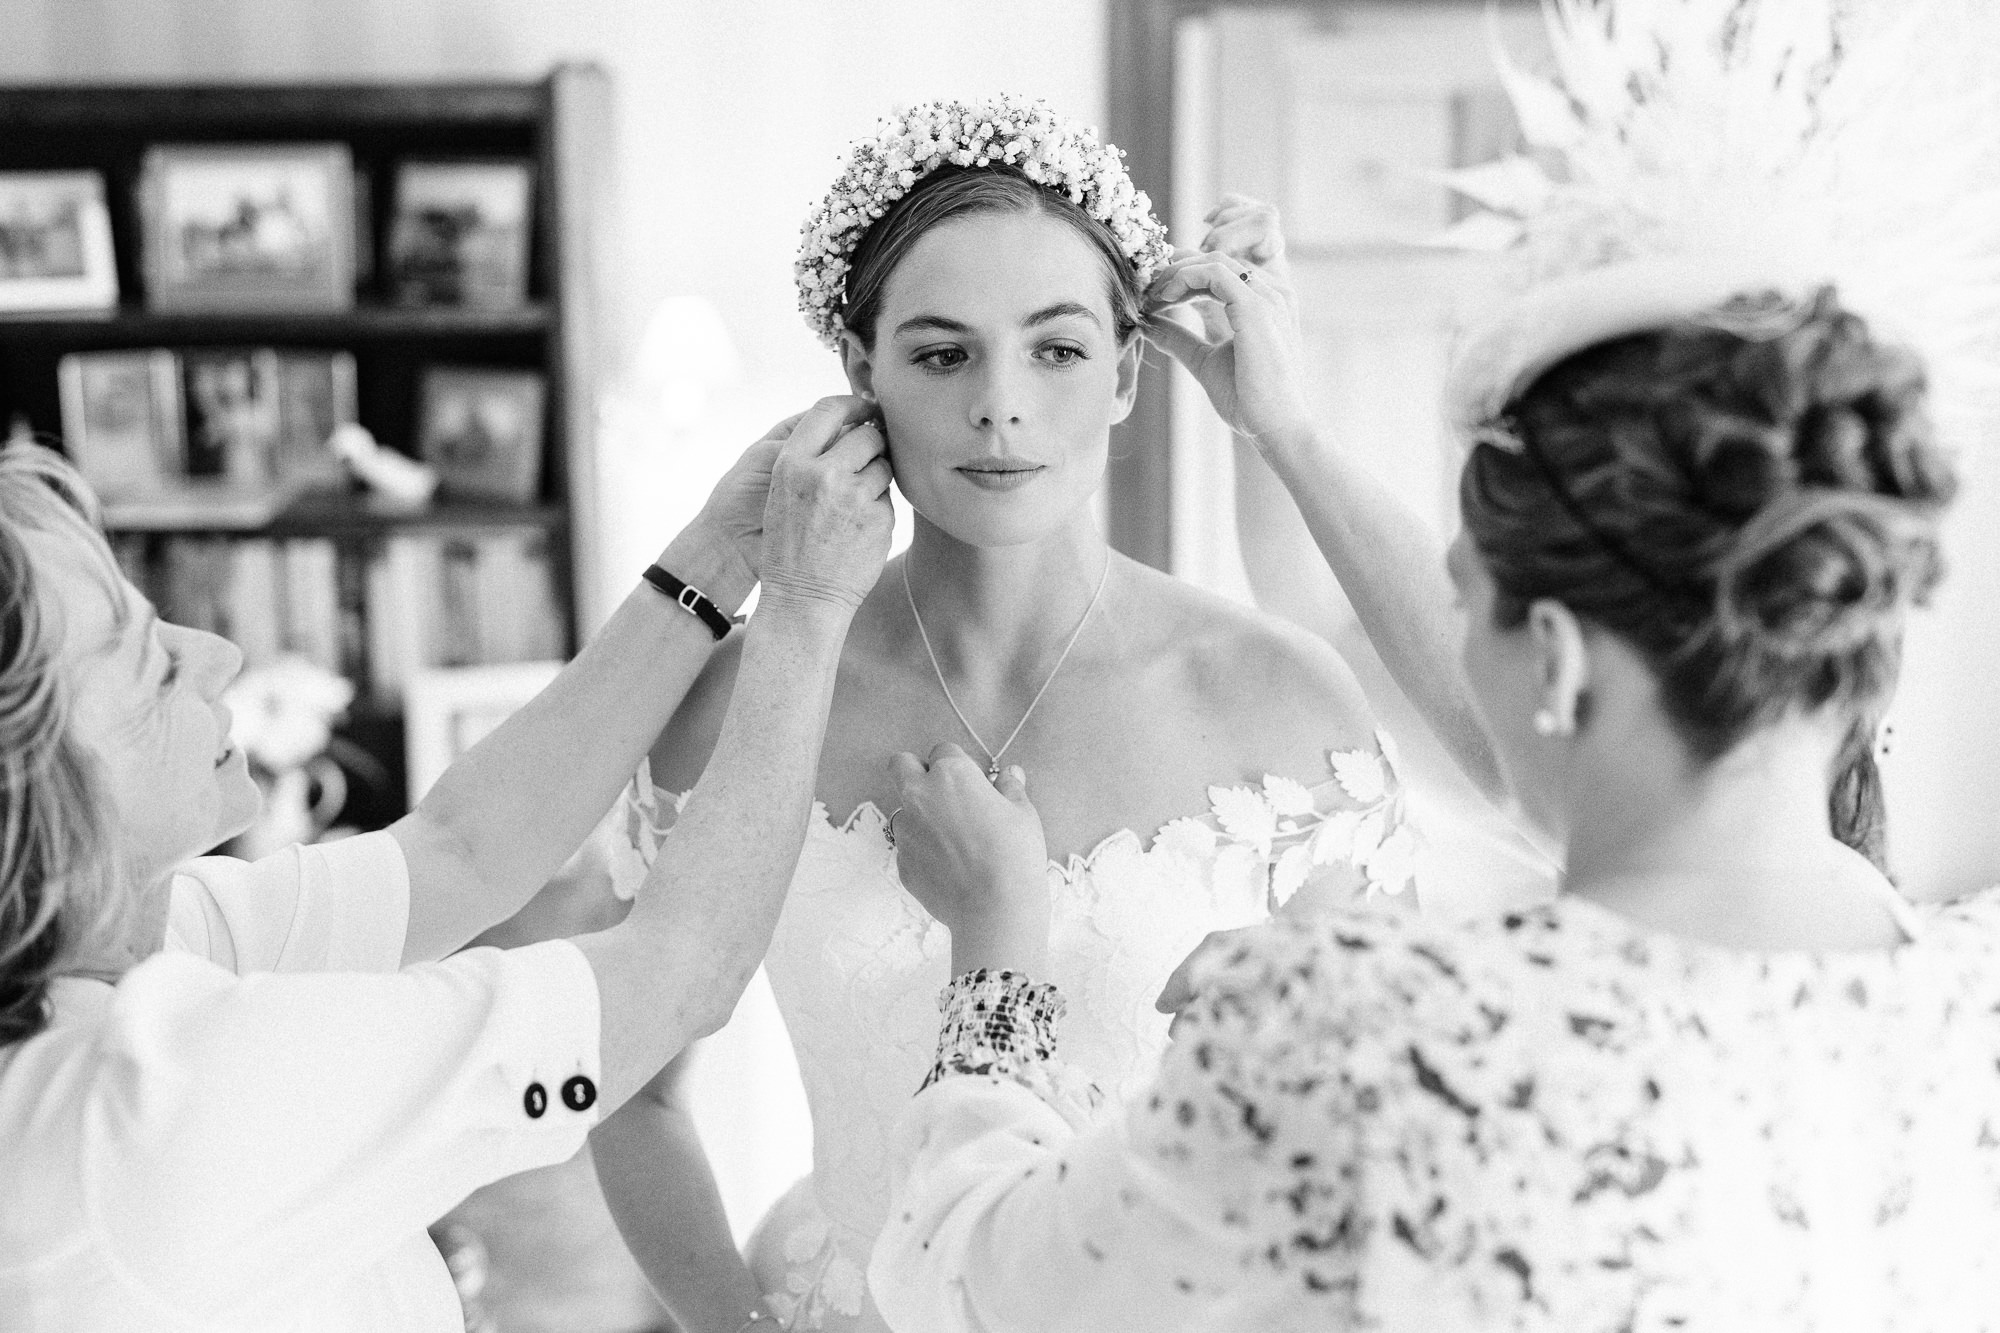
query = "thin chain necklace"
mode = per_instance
[{"x": 993, "y": 755}]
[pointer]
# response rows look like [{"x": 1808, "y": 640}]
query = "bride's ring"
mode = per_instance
[{"x": 1244, "y": 275}]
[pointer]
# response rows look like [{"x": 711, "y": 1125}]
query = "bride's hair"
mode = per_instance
[
  {"x": 956, "y": 192},
  {"x": 1753, "y": 514}
]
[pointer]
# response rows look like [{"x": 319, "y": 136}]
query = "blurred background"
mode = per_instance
[{"x": 673, "y": 149}]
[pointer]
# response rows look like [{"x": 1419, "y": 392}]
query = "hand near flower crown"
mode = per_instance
[
  {"x": 974, "y": 856},
  {"x": 1247, "y": 353}
]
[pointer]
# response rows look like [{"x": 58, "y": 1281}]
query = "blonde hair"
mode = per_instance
[{"x": 59, "y": 890}]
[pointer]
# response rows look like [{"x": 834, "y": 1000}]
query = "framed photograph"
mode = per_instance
[
  {"x": 460, "y": 235},
  {"x": 232, "y": 414},
  {"x": 316, "y": 393},
  {"x": 448, "y": 710},
  {"x": 55, "y": 242},
  {"x": 258, "y": 227},
  {"x": 121, "y": 415},
  {"x": 482, "y": 431}
]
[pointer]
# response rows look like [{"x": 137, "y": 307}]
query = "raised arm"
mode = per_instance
[
  {"x": 674, "y": 968},
  {"x": 507, "y": 815},
  {"x": 1247, "y": 356},
  {"x": 1012, "y": 1211}
]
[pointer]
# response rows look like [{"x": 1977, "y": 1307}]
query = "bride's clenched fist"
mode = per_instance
[
  {"x": 827, "y": 518},
  {"x": 974, "y": 856}
]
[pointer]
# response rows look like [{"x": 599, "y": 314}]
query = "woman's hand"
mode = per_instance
[
  {"x": 1247, "y": 352},
  {"x": 975, "y": 858},
  {"x": 827, "y": 519},
  {"x": 732, "y": 520},
  {"x": 1187, "y": 979}
]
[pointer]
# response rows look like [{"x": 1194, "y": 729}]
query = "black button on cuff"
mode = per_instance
[
  {"x": 579, "y": 1093},
  {"x": 535, "y": 1101}
]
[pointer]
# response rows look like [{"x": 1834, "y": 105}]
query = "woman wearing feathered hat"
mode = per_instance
[{"x": 1728, "y": 1078}]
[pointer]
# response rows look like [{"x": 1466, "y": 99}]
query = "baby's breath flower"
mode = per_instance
[{"x": 1059, "y": 155}]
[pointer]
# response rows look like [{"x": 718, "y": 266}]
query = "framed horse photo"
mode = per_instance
[
  {"x": 249, "y": 227},
  {"x": 55, "y": 242}
]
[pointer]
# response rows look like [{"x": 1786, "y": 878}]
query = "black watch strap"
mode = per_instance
[{"x": 690, "y": 599}]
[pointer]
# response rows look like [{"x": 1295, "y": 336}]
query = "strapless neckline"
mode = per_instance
[{"x": 867, "y": 821}]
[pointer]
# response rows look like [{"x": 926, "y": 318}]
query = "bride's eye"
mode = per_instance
[
  {"x": 1063, "y": 354},
  {"x": 940, "y": 358}
]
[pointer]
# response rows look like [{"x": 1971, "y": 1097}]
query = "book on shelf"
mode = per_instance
[
  {"x": 377, "y": 612},
  {"x": 484, "y": 598}
]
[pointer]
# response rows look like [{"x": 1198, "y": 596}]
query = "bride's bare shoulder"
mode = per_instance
[{"x": 1284, "y": 694}]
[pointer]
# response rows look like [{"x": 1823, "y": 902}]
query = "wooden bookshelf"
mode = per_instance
[{"x": 558, "y": 124}]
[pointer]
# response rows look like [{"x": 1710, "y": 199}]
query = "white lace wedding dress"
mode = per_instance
[{"x": 856, "y": 966}]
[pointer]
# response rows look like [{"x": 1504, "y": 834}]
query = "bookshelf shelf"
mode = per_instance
[
  {"x": 131, "y": 325},
  {"x": 378, "y": 595},
  {"x": 345, "y": 517}
]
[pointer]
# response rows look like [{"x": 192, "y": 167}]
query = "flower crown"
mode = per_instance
[{"x": 1057, "y": 154}]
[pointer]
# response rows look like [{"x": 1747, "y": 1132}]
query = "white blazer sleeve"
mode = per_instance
[
  {"x": 1006, "y": 1218},
  {"x": 338, "y": 906},
  {"x": 240, "y": 1134}
]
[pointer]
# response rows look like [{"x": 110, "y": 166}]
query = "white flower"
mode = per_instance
[
  {"x": 1360, "y": 775},
  {"x": 1290, "y": 873},
  {"x": 806, "y": 1240},
  {"x": 1187, "y": 837},
  {"x": 1290, "y": 798},
  {"x": 1393, "y": 863},
  {"x": 1333, "y": 842},
  {"x": 1057, "y": 154},
  {"x": 1245, "y": 816},
  {"x": 843, "y": 1286}
]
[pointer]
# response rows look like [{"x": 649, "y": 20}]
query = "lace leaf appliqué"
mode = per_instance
[{"x": 1282, "y": 824}]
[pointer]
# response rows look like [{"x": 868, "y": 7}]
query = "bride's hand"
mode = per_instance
[
  {"x": 1229, "y": 314},
  {"x": 975, "y": 858}
]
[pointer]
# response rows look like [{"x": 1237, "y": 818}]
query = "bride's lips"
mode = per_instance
[{"x": 1001, "y": 476}]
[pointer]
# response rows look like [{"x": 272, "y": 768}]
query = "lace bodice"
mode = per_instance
[{"x": 857, "y": 965}]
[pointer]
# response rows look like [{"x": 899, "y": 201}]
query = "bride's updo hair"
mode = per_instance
[
  {"x": 1754, "y": 514},
  {"x": 957, "y": 192}
]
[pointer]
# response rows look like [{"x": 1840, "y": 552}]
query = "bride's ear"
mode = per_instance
[
  {"x": 859, "y": 365},
  {"x": 1129, "y": 358}
]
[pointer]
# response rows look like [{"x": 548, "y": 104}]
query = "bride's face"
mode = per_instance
[{"x": 999, "y": 374}]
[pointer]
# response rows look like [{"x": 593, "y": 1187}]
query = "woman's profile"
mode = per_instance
[{"x": 980, "y": 269}]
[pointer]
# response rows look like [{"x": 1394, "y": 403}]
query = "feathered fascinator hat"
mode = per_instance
[
  {"x": 1058, "y": 154},
  {"x": 1719, "y": 161}
]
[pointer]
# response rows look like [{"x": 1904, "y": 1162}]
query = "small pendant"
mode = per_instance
[{"x": 993, "y": 773}]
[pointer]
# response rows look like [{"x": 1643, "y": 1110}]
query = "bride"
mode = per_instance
[{"x": 979, "y": 269}]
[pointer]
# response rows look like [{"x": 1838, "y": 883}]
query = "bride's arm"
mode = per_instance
[
  {"x": 1387, "y": 559},
  {"x": 662, "y": 1192}
]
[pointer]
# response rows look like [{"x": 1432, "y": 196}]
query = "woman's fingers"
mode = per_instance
[
  {"x": 827, "y": 422},
  {"x": 877, "y": 477},
  {"x": 1176, "y": 339},
  {"x": 905, "y": 768},
  {"x": 783, "y": 430}
]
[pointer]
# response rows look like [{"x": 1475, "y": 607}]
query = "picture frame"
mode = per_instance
[
  {"x": 448, "y": 710},
  {"x": 481, "y": 428},
  {"x": 248, "y": 226},
  {"x": 55, "y": 242},
  {"x": 122, "y": 419},
  {"x": 460, "y": 233}
]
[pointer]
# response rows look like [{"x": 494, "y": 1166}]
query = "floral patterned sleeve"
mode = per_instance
[{"x": 1012, "y": 1211}]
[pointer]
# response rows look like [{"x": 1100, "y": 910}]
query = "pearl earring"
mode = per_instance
[{"x": 1546, "y": 723}]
